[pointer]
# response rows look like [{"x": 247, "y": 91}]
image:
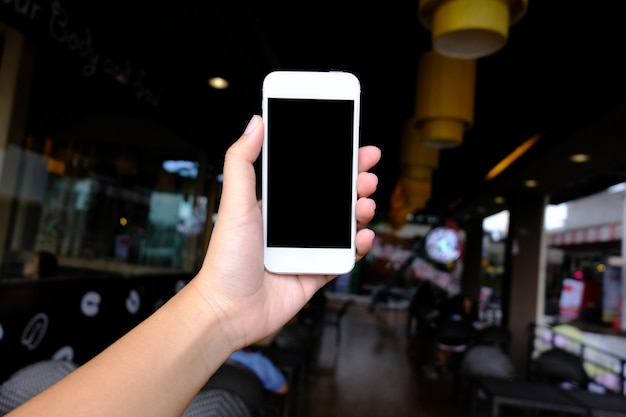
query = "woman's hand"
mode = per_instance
[{"x": 250, "y": 301}]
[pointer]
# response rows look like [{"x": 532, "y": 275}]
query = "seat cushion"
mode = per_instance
[{"x": 30, "y": 381}]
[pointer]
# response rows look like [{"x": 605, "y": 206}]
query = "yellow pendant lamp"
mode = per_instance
[
  {"x": 470, "y": 29},
  {"x": 414, "y": 185},
  {"x": 444, "y": 104},
  {"x": 413, "y": 152}
]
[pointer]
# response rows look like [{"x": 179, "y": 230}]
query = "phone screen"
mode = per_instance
[{"x": 309, "y": 173}]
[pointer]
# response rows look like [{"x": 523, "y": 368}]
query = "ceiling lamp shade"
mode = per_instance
[
  {"x": 470, "y": 29},
  {"x": 407, "y": 198},
  {"x": 413, "y": 188},
  {"x": 413, "y": 152},
  {"x": 444, "y": 99}
]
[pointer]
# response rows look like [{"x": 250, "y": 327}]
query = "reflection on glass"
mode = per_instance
[{"x": 103, "y": 220}]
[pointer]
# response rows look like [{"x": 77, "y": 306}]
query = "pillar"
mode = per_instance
[
  {"x": 16, "y": 67},
  {"x": 619, "y": 320},
  {"x": 471, "y": 280},
  {"x": 525, "y": 276}
]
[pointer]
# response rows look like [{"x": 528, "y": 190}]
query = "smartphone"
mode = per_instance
[{"x": 309, "y": 169}]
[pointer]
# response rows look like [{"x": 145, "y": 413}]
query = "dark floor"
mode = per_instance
[{"x": 378, "y": 370}]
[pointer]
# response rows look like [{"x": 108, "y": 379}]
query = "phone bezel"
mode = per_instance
[{"x": 321, "y": 85}]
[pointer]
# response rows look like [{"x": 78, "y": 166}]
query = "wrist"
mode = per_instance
[
  {"x": 204, "y": 323},
  {"x": 213, "y": 317}
]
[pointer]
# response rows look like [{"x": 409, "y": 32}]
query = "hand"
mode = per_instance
[{"x": 250, "y": 301}]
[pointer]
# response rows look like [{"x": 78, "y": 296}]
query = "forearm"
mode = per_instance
[{"x": 154, "y": 370}]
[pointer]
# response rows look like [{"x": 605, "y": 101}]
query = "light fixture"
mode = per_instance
[
  {"x": 530, "y": 183},
  {"x": 444, "y": 99},
  {"x": 218, "y": 83},
  {"x": 508, "y": 160},
  {"x": 499, "y": 200},
  {"x": 470, "y": 29},
  {"x": 184, "y": 168},
  {"x": 413, "y": 152},
  {"x": 579, "y": 158},
  {"x": 414, "y": 185}
]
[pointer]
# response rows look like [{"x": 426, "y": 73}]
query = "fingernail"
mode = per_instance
[{"x": 251, "y": 125}]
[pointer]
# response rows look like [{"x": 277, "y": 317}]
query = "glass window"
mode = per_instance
[{"x": 92, "y": 176}]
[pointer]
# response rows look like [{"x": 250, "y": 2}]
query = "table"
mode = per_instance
[
  {"x": 530, "y": 395},
  {"x": 600, "y": 405}
]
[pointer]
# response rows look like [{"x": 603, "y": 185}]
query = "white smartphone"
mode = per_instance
[{"x": 309, "y": 170}]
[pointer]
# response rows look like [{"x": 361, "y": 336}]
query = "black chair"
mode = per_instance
[
  {"x": 216, "y": 402},
  {"x": 495, "y": 336},
  {"x": 240, "y": 381},
  {"x": 486, "y": 361},
  {"x": 423, "y": 309},
  {"x": 296, "y": 336},
  {"x": 294, "y": 362},
  {"x": 561, "y": 367},
  {"x": 452, "y": 339},
  {"x": 482, "y": 361},
  {"x": 334, "y": 317}
]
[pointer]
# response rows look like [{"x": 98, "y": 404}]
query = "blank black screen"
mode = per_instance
[{"x": 309, "y": 173}]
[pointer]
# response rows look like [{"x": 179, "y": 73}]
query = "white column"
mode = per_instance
[{"x": 622, "y": 311}]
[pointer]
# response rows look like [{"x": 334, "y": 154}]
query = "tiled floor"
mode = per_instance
[{"x": 378, "y": 370}]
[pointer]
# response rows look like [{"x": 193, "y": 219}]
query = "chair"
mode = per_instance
[
  {"x": 452, "y": 339},
  {"x": 292, "y": 350},
  {"x": 294, "y": 364},
  {"x": 486, "y": 361},
  {"x": 495, "y": 336},
  {"x": 216, "y": 402},
  {"x": 30, "y": 381},
  {"x": 483, "y": 361},
  {"x": 423, "y": 309},
  {"x": 560, "y": 367},
  {"x": 238, "y": 380},
  {"x": 334, "y": 317}
]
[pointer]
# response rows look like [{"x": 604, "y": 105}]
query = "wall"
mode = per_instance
[
  {"x": 74, "y": 318},
  {"x": 598, "y": 209}
]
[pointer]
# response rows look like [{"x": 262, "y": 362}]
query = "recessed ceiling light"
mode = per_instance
[
  {"x": 530, "y": 183},
  {"x": 218, "y": 83},
  {"x": 579, "y": 157},
  {"x": 499, "y": 200}
]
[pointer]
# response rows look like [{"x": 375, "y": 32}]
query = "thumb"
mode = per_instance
[{"x": 239, "y": 188}]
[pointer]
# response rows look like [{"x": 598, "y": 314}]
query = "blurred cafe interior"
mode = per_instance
[{"x": 499, "y": 120}]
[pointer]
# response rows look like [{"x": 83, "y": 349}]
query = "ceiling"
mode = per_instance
[{"x": 562, "y": 75}]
